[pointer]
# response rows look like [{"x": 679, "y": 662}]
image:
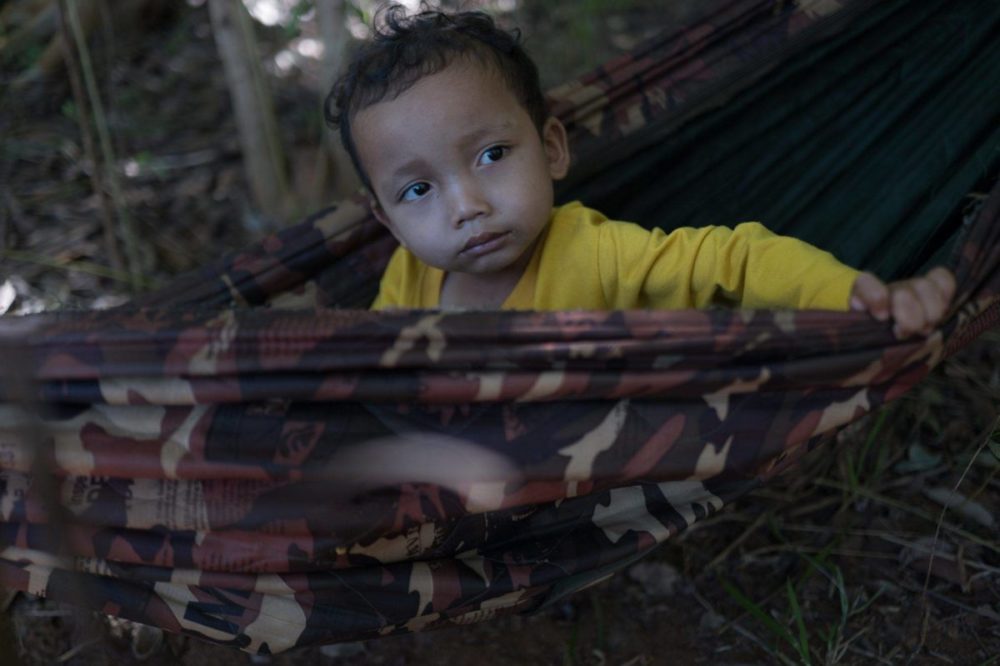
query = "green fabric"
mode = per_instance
[{"x": 865, "y": 144}]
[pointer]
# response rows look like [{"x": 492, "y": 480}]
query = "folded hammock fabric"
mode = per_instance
[{"x": 251, "y": 457}]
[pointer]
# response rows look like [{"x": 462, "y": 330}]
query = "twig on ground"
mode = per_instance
[
  {"x": 735, "y": 543},
  {"x": 944, "y": 509},
  {"x": 868, "y": 654},
  {"x": 818, "y": 505},
  {"x": 888, "y": 501},
  {"x": 991, "y": 616}
]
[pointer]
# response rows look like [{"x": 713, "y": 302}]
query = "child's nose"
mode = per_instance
[{"x": 468, "y": 201}]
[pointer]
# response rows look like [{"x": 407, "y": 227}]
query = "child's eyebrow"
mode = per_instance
[
  {"x": 407, "y": 167},
  {"x": 478, "y": 133}
]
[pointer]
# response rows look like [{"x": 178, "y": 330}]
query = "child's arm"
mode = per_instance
[
  {"x": 754, "y": 268},
  {"x": 915, "y": 305},
  {"x": 747, "y": 266}
]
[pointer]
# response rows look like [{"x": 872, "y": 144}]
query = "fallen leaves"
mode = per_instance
[{"x": 964, "y": 506}]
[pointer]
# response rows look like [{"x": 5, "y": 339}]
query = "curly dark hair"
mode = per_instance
[{"x": 407, "y": 48}]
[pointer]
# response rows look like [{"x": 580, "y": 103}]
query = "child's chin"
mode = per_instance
[{"x": 491, "y": 267}]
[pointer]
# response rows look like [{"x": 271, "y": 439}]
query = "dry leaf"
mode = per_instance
[
  {"x": 960, "y": 504},
  {"x": 7, "y": 296}
]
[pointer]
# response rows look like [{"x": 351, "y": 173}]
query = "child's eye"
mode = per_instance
[
  {"x": 414, "y": 192},
  {"x": 493, "y": 154}
]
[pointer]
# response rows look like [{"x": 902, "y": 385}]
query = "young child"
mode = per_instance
[{"x": 445, "y": 122}]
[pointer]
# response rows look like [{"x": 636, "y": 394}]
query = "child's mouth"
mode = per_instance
[{"x": 481, "y": 244}]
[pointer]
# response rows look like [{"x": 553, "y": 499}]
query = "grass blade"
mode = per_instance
[
  {"x": 749, "y": 606},
  {"x": 802, "y": 645}
]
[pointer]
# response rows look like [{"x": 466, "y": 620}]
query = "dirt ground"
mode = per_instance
[{"x": 830, "y": 565}]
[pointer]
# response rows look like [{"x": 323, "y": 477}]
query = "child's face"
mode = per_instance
[{"x": 460, "y": 174}]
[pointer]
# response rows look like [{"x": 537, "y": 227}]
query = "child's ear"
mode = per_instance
[
  {"x": 377, "y": 211},
  {"x": 382, "y": 218},
  {"x": 556, "y": 147}
]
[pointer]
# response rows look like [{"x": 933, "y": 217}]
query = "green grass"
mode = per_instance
[
  {"x": 797, "y": 639},
  {"x": 803, "y": 589}
]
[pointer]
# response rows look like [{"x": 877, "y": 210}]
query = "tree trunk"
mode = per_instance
[
  {"x": 262, "y": 154},
  {"x": 334, "y": 165},
  {"x": 331, "y": 19}
]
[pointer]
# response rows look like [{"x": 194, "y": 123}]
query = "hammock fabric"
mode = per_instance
[{"x": 250, "y": 458}]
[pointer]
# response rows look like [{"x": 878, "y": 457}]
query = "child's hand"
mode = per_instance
[{"x": 915, "y": 305}]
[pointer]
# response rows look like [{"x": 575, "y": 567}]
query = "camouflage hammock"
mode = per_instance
[{"x": 252, "y": 458}]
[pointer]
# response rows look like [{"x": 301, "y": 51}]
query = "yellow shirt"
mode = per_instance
[{"x": 587, "y": 262}]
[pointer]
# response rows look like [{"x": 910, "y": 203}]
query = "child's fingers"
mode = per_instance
[
  {"x": 933, "y": 300},
  {"x": 907, "y": 310},
  {"x": 945, "y": 282},
  {"x": 870, "y": 294}
]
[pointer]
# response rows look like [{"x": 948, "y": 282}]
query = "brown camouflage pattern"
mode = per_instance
[{"x": 304, "y": 471}]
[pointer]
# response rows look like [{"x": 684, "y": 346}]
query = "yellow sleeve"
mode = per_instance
[
  {"x": 392, "y": 287},
  {"x": 747, "y": 266}
]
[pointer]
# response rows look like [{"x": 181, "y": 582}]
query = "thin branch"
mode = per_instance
[
  {"x": 124, "y": 219},
  {"x": 83, "y": 119},
  {"x": 79, "y": 266},
  {"x": 944, "y": 509},
  {"x": 907, "y": 508}
]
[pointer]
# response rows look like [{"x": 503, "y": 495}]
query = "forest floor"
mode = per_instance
[{"x": 851, "y": 559}]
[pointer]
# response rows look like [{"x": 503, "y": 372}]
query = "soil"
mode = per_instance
[{"x": 848, "y": 533}]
